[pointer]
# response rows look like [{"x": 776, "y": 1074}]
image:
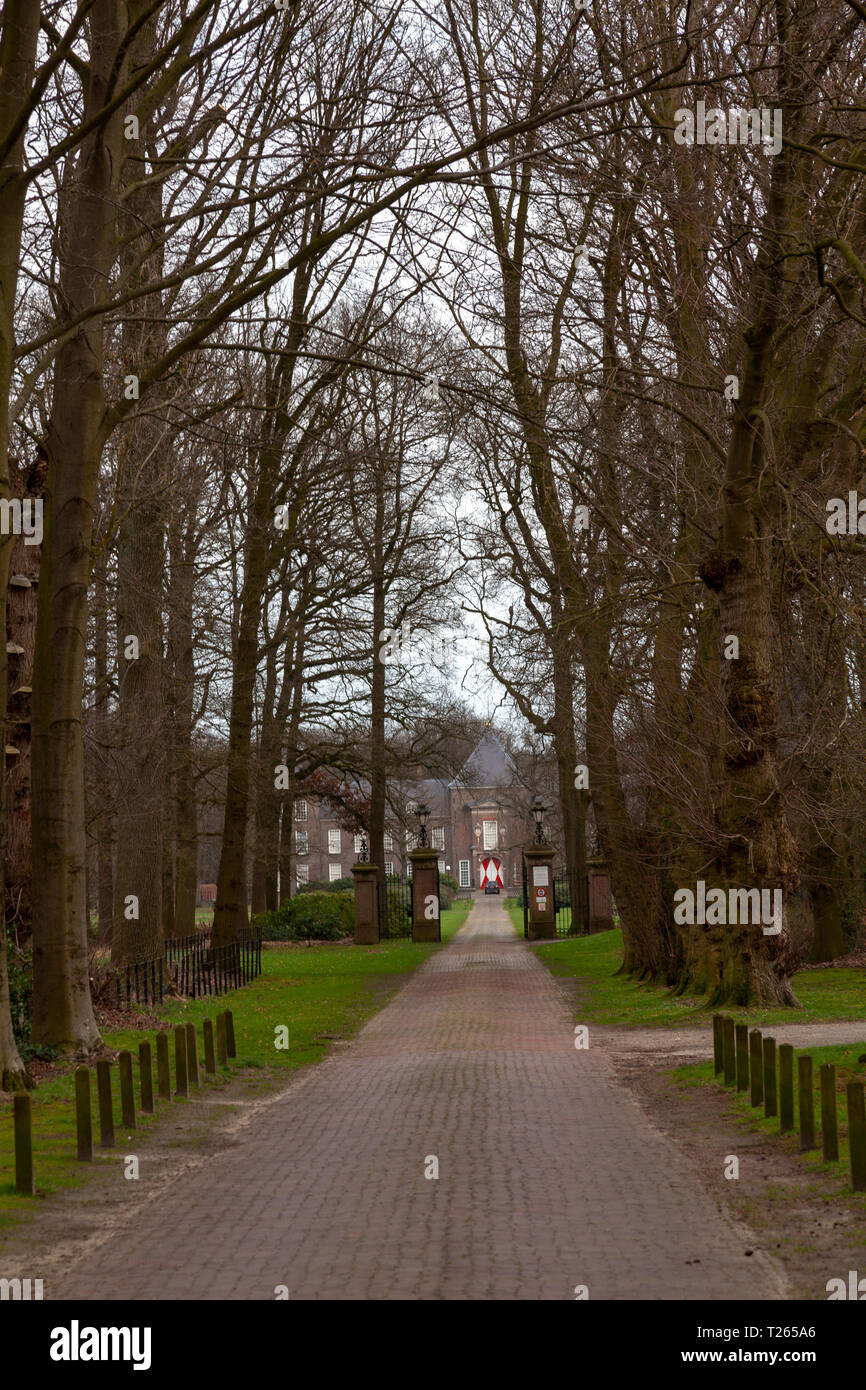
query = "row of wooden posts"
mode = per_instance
[
  {"x": 748, "y": 1062},
  {"x": 219, "y": 1045}
]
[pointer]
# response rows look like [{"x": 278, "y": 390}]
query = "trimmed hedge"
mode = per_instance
[
  {"x": 323, "y": 885},
  {"x": 310, "y": 917}
]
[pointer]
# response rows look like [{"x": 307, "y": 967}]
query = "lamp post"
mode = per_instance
[
  {"x": 538, "y": 812},
  {"x": 423, "y": 814}
]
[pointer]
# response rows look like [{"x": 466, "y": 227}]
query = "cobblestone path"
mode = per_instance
[{"x": 550, "y": 1175}]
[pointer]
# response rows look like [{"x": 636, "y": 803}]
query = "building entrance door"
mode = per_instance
[{"x": 491, "y": 871}]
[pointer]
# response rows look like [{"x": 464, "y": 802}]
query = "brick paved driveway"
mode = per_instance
[{"x": 550, "y": 1175}]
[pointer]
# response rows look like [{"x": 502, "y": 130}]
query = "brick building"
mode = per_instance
[{"x": 478, "y": 823}]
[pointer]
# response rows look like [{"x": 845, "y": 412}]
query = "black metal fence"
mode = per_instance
[
  {"x": 198, "y": 968},
  {"x": 395, "y": 909},
  {"x": 572, "y": 919},
  {"x": 140, "y": 982},
  {"x": 194, "y": 966}
]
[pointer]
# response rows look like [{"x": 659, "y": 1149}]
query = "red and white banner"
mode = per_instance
[{"x": 490, "y": 872}]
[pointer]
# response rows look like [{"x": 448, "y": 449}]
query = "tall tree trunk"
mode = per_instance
[
  {"x": 230, "y": 912},
  {"x": 20, "y": 29},
  {"x": 827, "y": 897},
  {"x": 143, "y": 829},
  {"x": 62, "y": 1010},
  {"x": 761, "y": 851},
  {"x": 293, "y": 681},
  {"x": 267, "y": 803},
  {"x": 142, "y": 730},
  {"x": 20, "y": 642},
  {"x": 378, "y": 770},
  {"x": 104, "y": 789},
  {"x": 182, "y": 665},
  {"x": 572, "y": 800}
]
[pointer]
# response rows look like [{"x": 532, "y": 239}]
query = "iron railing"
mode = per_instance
[{"x": 194, "y": 966}]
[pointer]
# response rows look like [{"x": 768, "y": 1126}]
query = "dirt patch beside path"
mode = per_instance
[{"x": 798, "y": 1216}]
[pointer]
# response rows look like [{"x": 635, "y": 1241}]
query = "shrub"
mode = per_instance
[
  {"x": 310, "y": 917},
  {"x": 321, "y": 885}
]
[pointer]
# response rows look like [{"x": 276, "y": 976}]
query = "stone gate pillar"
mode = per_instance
[
  {"x": 366, "y": 904},
  {"x": 539, "y": 891},
  {"x": 425, "y": 895}
]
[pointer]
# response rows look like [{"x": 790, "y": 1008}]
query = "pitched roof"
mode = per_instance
[
  {"x": 434, "y": 792},
  {"x": 488, "y": 765}
]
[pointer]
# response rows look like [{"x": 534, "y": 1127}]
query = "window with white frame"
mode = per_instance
[
  {"x": 437, "y": 837},
  {"x": 491, "y": 834},
  {"x": 300, "y": 810},
  {"x": 464, "y": 873},
  {"x": 441, "y": 866},
  {"x": 389, "y": 866},
  {"x": 335, "y": 871},
  {"x": 334, "y": 843},
  {"x": 302, "y": 873},
  {"x": 389, "y": 840},
  {"x": 301, "y": 844}
]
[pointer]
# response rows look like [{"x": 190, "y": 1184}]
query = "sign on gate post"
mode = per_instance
[
  {"x": 539, "y": 881},
  {"x": 366, "y": 904},
  {"x": 425, "y": 895}
]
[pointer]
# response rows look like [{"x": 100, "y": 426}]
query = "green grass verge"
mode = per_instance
[
  {"x": 848, "y": 1068},
  {"x": 616, "y": 999},
  {"x": 324, "y": 988},
  {"x": 515, "y": 912},
  {"x": 454, "y": 917}
]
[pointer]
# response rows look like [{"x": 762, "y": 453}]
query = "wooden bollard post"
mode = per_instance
[
  {"x": 730, "y": 1057},
  {"x": 180, "y": 1077},
  {"x": 786, "y": 1088},
  {"x": 209, "y": 1056},
  {"x": 106, "y": 1116},
  {"x": 857, "y": 1134},
  {"x": 127, "y": 1094},
  {"x": 145, "y": 1077},
  {"x": 222, "y": 1045},
  {"x": 756, "y": 1067},
  {"x": 770, "y": 1104},
  {"x": 806, "y": 1099},
  {"x": 22, "y": 1118},
  {"x": 83, "y": 1115},
  {"x": 718, "y": 1045},
  {"x": 163, "y": 1069},
  {"x": 192, "y": 1055},
  {"x": 829, "y": 1122},
  {"x": 742, "y": 1057},
  {"x": 230, "y": 1034}
]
